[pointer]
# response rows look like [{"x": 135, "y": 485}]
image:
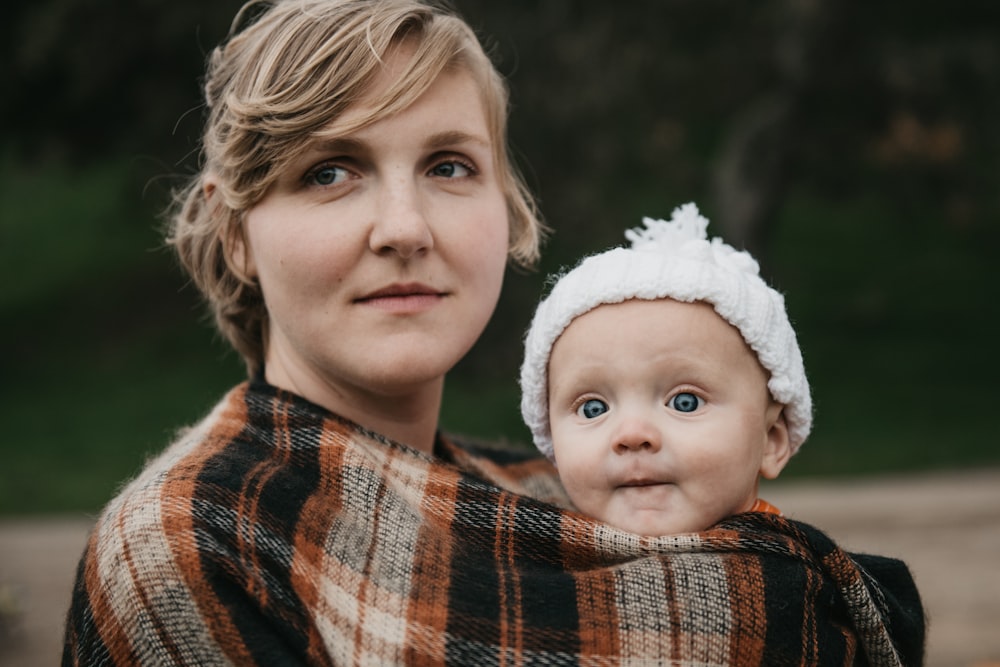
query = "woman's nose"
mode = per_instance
[
  {"x": 400, "y": 224},
  {"x": 637, "y": 434}
]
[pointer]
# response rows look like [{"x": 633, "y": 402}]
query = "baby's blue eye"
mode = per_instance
[
  {"x": 685, "y": 402},
  {"x": 592, "y": 408}
]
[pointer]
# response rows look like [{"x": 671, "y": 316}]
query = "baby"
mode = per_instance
[{"x": 664, "y": 380}]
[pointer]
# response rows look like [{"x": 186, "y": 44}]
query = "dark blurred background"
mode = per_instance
[{"x": 851, "y": 145}]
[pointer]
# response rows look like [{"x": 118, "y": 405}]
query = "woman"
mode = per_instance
[{"x": 350, "y": 228}]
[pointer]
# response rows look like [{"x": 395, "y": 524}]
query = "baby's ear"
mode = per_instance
[{"x": 777, "y": 447}]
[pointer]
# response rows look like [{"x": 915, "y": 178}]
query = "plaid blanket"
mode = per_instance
[{"x": 275, "y": 533}]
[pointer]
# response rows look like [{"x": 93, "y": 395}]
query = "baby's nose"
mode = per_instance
[{"x": 637, "y": 434}]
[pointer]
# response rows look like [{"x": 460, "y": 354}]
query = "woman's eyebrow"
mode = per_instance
[
  {"x": 352, "y": 146},
  {"x": 454, "y": 138},
  {"x": 335, "y": 145}
]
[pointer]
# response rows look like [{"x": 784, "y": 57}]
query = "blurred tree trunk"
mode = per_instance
[
  {"x": 752, "y": 169},
  {"x": 750, "y": 175}
]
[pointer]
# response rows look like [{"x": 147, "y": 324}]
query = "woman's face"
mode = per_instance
[{"x": 381, "y": 252}]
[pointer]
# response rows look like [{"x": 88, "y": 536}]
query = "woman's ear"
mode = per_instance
[
  {"x": 777, "y": 447},
  {"x": 235, "y": 245},
  {"x": 240, "y": 253}
]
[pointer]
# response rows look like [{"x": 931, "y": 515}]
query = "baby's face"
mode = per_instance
[{"x": 661, "y": 418}]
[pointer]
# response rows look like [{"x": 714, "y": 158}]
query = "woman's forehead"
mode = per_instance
[{"x": 464, "y": 113}]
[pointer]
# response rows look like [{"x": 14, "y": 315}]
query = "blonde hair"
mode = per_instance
[{"x": 286, "y": 70}]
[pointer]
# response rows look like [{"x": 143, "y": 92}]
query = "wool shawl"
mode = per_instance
[{"x": 276, "y": 533}]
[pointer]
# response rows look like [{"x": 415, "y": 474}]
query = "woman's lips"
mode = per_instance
[{"x": 403, "y": 298}]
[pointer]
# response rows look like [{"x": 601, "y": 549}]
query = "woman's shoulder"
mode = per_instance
[
  {"x": 168, "y": 548},
  {"x": 164, "y": 490},
  {"x": 187, "y": 503}
]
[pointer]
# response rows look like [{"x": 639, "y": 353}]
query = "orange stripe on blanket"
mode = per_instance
[
  {"x": 427, "y": 613},
  {"x": 109, "y": 626},
  {"x": 178, "y": 524},
  {"x": 309, "y": 561}
]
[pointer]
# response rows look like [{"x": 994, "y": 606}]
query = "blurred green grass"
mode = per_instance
[{"x": 107, "y": 352}]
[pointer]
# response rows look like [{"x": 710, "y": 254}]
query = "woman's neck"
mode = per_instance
[
  {"x": 408, "y": 419},
  {"x": 406, "y": 415}
]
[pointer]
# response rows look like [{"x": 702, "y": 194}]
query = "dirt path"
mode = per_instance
[{"x": 946, "y": 526}]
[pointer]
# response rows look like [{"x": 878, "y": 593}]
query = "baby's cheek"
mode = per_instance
[{"x": 586, "y": 491}]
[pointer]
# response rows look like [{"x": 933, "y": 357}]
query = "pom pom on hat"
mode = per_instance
[{"x": 671, "y": 259}]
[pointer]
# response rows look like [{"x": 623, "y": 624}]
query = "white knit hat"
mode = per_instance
[{"x": 671, "y": 259}]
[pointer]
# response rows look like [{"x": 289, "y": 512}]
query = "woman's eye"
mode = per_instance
[
  {"x": 327, "y": 175},
  {"x": 451, "y": 169},
  {"x": 685, "y": 402},
  {"x": 592, "y": 408}
]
